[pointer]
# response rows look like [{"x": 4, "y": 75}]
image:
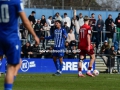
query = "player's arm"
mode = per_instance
[
  {"x": 27, "y": 24},
  {"x": 50, "y": 37},
  {"x": 89, "y": 39},
  {"x": 65, "y": 33}
]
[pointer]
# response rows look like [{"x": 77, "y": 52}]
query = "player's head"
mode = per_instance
[
  {"x": 86, "y": 19},
  {"x": 58, "y": 23}
]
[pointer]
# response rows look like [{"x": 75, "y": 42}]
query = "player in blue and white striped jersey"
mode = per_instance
[{"x": 59, "y": 37}]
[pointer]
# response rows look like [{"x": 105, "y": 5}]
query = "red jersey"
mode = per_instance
[{"x": 83, "y": 32}]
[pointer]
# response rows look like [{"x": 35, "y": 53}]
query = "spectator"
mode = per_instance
[
  {"x": 46, "y": 28},
  {"x": 71, "y": 36},
  {"x": 66, "y": 19},
  {"x": 22, "y": 30},
  {"x": 93, "y": 22},
  {"x": 26, "y": 50},
  {"x": 66, "y": 27},
  {"x": 117, "y": 22},
  {"x": 108, "y": 22},
  {"x": 72, "y": 52},
  {"x": 111, "y": 34},
  {"x": 99, "y": 29},
  {"x": 118, "y": 59},
  {"x": 100, "y": 22},
  {"x": 105, "y": 50},
  {"x": 75, "y": 24},
  {"x": 38, "y": 28},
  {"x": 67, "y": 48},
  {"x": 48, "y": 54},
  {"x": 50, "y": 22},
  {"x": 36, "y": 51},
  {"x": 58, "y": 17},
  {"x": 43, "y": 20},
  {"x": 81, "y": 20},
  {"x": 111, "y": 59},
  {"x": 32, "y": 18}
]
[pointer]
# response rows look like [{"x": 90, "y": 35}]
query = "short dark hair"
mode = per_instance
[
  {"x": 33, "y": 12},
  {"x": 65, "y": 13},
  {"x": 92, "y": 14},
  {"x": 58, "y": 21},
  {"x": 50, "y": 17}
]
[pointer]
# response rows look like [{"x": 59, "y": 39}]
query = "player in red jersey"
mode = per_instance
[{"x": 86, "y": 47}]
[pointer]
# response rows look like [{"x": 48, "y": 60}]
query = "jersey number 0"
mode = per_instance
[{"x": 4, "y": 13}]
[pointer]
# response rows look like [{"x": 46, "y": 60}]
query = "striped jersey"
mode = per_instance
[{"x": 59, "y": 37}]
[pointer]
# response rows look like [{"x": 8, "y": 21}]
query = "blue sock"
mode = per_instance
[
  {"x": 56, "y": 65},
  {"x": 61, "y": 66},
  {"x": 8, "y": 86},
  {"x": 0, "y": 64}
]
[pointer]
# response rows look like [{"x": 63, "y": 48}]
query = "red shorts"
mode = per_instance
[{"x": 84, "y": 52}]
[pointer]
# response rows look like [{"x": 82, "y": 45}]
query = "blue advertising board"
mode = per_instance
[{"x": 47, "y": 66}]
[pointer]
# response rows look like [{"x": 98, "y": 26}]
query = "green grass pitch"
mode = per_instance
[{"x": 64, "y": 82}]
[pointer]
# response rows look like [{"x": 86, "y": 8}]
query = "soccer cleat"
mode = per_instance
[
  {"x": 57, "y": 74},
  {"x": 81, "y": 75},
  {"x": 90, "y": 74}
]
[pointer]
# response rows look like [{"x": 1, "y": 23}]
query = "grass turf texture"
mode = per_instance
[{"x": 64, "y": 82}]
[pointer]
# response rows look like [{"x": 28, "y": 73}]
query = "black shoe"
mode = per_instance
[{"x": 57, "y": 74}]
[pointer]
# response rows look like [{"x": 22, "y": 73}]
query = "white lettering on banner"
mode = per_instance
[
  {"x": 27, "y": 65},
  {"x": 73, "y": 66}
]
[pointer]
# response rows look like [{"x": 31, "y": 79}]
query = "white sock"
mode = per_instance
[
  {"x": 58, "y": 70},
  {"x": 79, "y": 72},
  {"x": 89, "y": 71}
]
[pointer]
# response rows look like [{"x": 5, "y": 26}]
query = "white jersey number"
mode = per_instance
[
  {"x": 4, "y": 14},
  {"x": 82, "y": 33}
]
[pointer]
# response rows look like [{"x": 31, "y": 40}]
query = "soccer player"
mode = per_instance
[
  {"x": 86, "y": 47},
  {"x": 10, "y": 10},
  {"x": 59, "y": 35}
]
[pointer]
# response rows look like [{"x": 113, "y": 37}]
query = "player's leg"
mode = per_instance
[
  {"x": 12, "y": 52},
  {"x": 80, "y": 66},
  {"x": 56, "y": 64},
  {"x": 17, "y": 68},
  {"x": 61, "y": 64},
  {"x": 92, "y": 59}
]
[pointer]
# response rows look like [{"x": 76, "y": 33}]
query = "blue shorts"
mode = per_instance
[
  {"x": 11, "y": 48},
  {"x": 60, "y": 52}
]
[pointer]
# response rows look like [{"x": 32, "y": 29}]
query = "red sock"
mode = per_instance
[
  {"x": 89, "y": 68},
  {"x": 79, "y": 69}
]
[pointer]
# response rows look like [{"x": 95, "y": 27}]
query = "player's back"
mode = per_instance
[
  {"x": 83, "y": 32},
  {"x": 9, "y": 18}
]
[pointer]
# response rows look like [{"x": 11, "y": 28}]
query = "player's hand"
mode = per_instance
[
  {"x": 37, "y": 39},
  {"x": 64, "y": 36},
  {"x": 88, "y": 48}
]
